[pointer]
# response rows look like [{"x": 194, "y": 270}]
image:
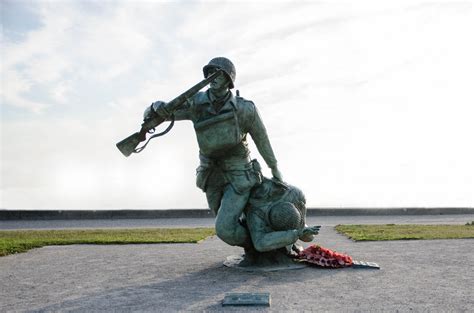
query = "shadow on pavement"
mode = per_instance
[{"x": 200, "y": 290}]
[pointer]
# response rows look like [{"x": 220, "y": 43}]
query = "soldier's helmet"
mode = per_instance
[
  {"x": 225, "y": 64},
  {"x": 284, "y": 216},
  {"x": 289, "y": 212}
]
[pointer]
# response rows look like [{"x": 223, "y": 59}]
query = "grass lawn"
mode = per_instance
[
  {"x": 22, "y": 240},
  {"x": 404, "y": 232}
]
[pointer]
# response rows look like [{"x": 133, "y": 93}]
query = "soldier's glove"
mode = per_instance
[{"x": 276, "y": 173}]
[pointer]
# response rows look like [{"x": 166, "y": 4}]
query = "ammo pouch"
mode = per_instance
[
  {"x": 242, "y": 176},
  {"x": 218, "y": 134}
]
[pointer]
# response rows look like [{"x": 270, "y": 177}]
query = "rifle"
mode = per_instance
[{"x": 129, "y": 144}]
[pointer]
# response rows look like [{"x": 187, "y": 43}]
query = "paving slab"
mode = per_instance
[{"x": 420, "y": 276}]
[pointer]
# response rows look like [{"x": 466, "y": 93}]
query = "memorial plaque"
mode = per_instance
[
  {"x": 247, "y": 299},
  {"x": 362, "y": 264}
]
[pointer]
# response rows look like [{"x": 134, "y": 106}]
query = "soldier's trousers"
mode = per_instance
[
  {"x": 228, "y": 204},
  {"x": 227, "y": 193}
]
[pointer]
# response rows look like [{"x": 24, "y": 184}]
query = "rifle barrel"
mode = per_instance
[
  {"x": 178, "y": 101},
  {"x": 129, "y": 144}
]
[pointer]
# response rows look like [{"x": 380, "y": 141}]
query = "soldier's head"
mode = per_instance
[{"x": 227, "y": 79}]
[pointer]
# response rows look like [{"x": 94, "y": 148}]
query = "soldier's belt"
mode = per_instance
[{"x": 227, "y": 165}]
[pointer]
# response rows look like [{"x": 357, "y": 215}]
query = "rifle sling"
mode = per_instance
[{"x": 140, "y": 149}]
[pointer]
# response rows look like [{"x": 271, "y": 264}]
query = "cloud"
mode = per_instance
[
  {"x": 72, "y": 45},
  {"x": 365, "y": 104}
]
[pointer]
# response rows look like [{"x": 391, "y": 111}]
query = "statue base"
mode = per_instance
[{"x": 270, "y": 261}]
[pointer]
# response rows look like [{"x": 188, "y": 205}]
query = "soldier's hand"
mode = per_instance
[
  {"x": 276, "y": 174},
  {"x": 149, "y": 113},
  {"x": 306, "y": 231},
  {"x": 156, "y": 108}
]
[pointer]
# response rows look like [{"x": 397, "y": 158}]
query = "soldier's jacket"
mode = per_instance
[{"x": 222, "y": 138}]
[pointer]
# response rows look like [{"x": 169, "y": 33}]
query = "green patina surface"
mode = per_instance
[
  {"x": 23, "y": 240},
  {"x": 405, "y": 232}
]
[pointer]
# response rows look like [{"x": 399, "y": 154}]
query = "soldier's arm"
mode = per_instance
[
  {"x": 259, "y": 135},
  {"x": 274, "y": 240},
  {"x": 182, "y": 113},
  {"x": 265, "y": 240}
]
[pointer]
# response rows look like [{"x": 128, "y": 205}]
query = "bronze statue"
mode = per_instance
[
  {"x": 226, "y": 173},
  {"x": 254, "y": 212}
]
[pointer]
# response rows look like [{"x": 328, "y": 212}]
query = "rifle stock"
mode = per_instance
[{"x": 129, "y": 145}]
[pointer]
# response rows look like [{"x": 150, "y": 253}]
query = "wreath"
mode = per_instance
[{"x": 324, "y": 257}]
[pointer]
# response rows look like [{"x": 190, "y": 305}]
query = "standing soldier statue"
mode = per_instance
[{"x": 226, "y": 172}]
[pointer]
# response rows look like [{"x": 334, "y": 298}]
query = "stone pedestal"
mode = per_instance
[{"x": 254, "y": 261}]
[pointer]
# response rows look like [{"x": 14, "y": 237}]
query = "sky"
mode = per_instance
[{"x": 367, "y": 103}]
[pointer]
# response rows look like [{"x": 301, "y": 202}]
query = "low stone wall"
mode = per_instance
[{"x": 204, "y": 213}]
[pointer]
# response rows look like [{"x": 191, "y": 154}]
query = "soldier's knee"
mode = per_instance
[
  {"x": 224, "y": 232},
  {"x": 229, "y": 233}
]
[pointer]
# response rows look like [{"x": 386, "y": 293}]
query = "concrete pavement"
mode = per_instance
[{"x": 420, "y": 276}]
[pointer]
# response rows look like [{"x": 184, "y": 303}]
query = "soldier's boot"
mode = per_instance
[{"x": 295, "y": 249}]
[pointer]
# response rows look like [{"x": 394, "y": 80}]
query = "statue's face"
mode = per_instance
[{"x": 220, "y": 83}]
